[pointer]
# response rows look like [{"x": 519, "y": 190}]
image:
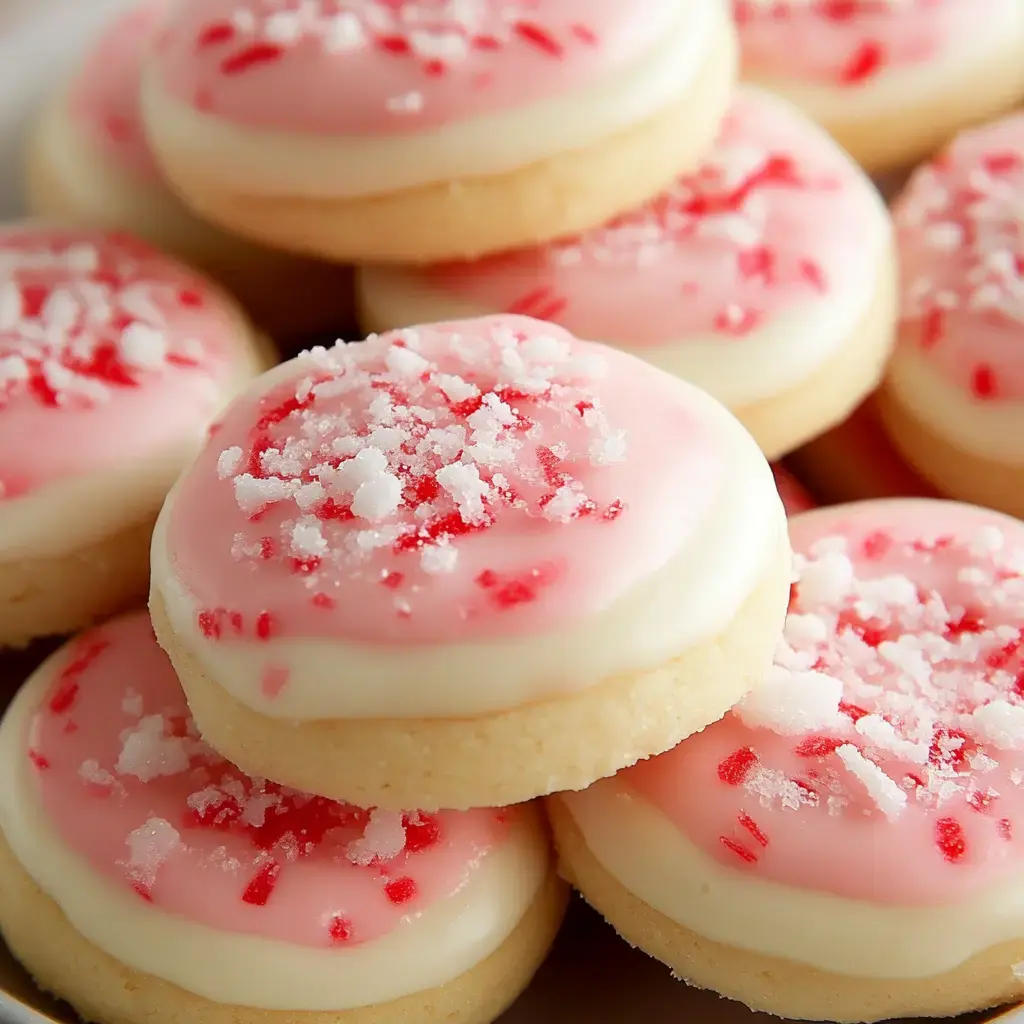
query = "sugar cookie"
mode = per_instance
[
  {"x": 953, "y": 401},
  {"x": 113, "y": 361},
  {"x": 765, "y": 277},
  {"x": 89, "y": 162},
  {"x": 845, "y": 844},
  {"x": 423, "y": 130},
  {"x": 467, "y": 564},
  {"x": 892, "y": 80},
  {"x": 142, "y": 877}
]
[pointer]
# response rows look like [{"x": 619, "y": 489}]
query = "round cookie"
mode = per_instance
[
  {"x": 420, "y": 130},
  {"x": 89, "y": 162},
  {"x": 856, "y": 461},
  {"x": 145, "y": 878},
  {"x": 892, "y": 80},
  {"x": 765, "y": 276},
  {"x": 465, "y": 565},
  {"x": 113, "y": 361},
  {"x": 953, "y": 400},
  {"x": 845, "y": 844}
]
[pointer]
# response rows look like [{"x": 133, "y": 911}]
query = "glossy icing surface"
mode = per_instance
[
  {"x": 104, "y": 96},
  {"x": 853, "y": 43},
  {"x": 123, "y": 776},
  {"x": 460, "y": 481},
  {"x": 110, "y": 353},
  {"x": 882, "y": 759},
  {"x": 960, "y": 226},
  {"x": 402, "y": 65},
  {"x": 777, "y": 231}
]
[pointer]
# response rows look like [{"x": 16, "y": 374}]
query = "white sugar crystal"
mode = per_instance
[
  {"x": 91, "y": 772},
  {"x": 826, "y": 580},
  {"x": 455, "y": 389},
  {"x": 367, "y": 464},
  {"x": 999, "y": 723},
  {"x": 377, "y": 498},
  {"x": 886, "y": 794},
  {"x": 252, "y": 493},
  {"x": 147, "y": 753},
  {"x": 307, "y": 540},
  {"x": 466, "y": 488},
  {"x": 149, "y": 846},
  {"x": 438, "y": 559},
  {"x": 143, "y": 346},
  {"x": 403, "y": 362},
  {"x": 383, "y": 839},
  {"x": 228, "y": 462},
  {"x": 791, "y": 703},
  {"x": 880, "y": 733}
]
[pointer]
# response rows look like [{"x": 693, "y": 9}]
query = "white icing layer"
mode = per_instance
[
  {"x": 644, "y": 851},
  {"x": 997, "y": 37},
  {"x": 986, "y": 428},
  {"x": 690, "y": 600},
  {"x": 762, "y": 364},
  {"x": 423, "y": 952},
  {"x": 275, "y": 163}
]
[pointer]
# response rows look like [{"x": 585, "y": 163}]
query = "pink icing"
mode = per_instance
[
  {"x": 104, "y": 95},
  {"x": 775, "y": 218},
  {"x": 960, "y": 226},
  {"x": 483, "y": 478},
  {"x": 908, "y": 616},
  {"x": 853, "y": 42},
  {"x": 793, "y": 493},
  {"x": 109, "y": 352},
  {"x": 129, "y": 786},
  {"x": 384, "y": 67}
]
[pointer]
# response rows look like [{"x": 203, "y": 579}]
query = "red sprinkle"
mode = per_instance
[
  {"x": 747, "y": 856},
  {"x": 401, "y": 890},
  {"x": 259, "y": 890},
  {"x": 737, "y": 766},
  {"x": 339, "y": 928},
  {"x": 252, "y": 56},
  {"x": 747, "y": 822},
  {"x": 950, "y": 839}
]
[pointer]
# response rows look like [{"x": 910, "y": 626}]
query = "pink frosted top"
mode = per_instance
[
  {"x": 483, "y": 478},
  {"x": 109, "y": 352},
  {"x": 776, "y": 216},
  {"x": 104, "y": 95},
  {"x": 883, "y": 758},
  {"x": 960, "y": 225},
  {"x": 852, "y": 42},
  {"x": 131, "y": 788},
  {"x": 385, "y": 67},
  {"x": 793, "y": 493}
]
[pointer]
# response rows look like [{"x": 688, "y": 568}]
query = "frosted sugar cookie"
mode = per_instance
[
  {"x": 857, "y": 460},
  {"x": 892, "y": 80},
  {"x": 89, "y": 162},
  {"x": 113, "y": 361},
  {"x": 765, "y": 277},
  {"x": 467, "y": 564},
  {"x": 953, "y": 400},
  {"x": 845, "y": 844},
  {"x": 142, "y": 877},
  {"x": 417, "y": 129}
]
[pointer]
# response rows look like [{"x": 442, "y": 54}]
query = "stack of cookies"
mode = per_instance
[{"x": 417, "y": 604}]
